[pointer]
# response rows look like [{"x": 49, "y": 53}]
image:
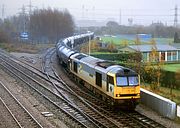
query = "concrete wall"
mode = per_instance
[{"x": 162, "y": 105}]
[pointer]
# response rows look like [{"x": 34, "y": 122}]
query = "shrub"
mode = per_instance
[
  {"x": 125, "y": 57},
  {"x": 3, "y": 37}
]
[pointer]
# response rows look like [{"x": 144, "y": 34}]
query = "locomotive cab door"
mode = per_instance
[
  {"x": 98, "y": 79},
  {"x": 110, "y": 85}
]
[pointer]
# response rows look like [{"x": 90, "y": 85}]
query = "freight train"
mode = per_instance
[{"x": 115, "y": 84}]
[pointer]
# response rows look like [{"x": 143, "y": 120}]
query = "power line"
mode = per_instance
[
  {"x": 176, "y": 16},
  {"x": 3, "y": 11},
  {"x": 30, "y": 6},
  {"x": 23, "y": 14}
]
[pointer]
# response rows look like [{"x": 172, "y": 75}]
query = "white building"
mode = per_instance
[{"x": 166, "y": 53}]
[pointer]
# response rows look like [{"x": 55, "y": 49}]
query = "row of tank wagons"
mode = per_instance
[
  {"x": 64, "y": 47},
  {"x": 73, "y": 41}
]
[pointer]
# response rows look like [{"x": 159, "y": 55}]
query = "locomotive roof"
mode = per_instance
[
  {"x": 121, "y": 71},
  {"x": 80, "y": 56},
  {"x": 108, "y": 66},
  {"x": 91, "y": 60},
  {"x": 103, "y": 65}
]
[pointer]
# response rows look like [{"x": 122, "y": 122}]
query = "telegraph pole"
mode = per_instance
[
  {"x": 89, "y": 45},
  {"x": 120, "y": 17}
]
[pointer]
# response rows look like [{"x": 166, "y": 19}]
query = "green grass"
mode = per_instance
[
  {"x": 120, "y": 41},
  {"x": 23, "y": 47},
  {"x": 165, "y": 92},
  {"x": 116, "y": 41},
  {"x": 172, "y": 67},
  {"x": 164, "y": 40}
]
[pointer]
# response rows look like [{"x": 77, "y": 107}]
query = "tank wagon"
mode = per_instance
[{"x": 115, "y": 84}]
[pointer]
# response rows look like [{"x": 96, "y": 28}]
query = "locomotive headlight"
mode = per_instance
[{"x": 118, "y": 95}]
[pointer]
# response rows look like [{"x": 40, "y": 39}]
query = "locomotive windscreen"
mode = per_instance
[{"x": 127, "y": 80}]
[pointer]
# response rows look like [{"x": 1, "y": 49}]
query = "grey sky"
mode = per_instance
[{"x": 141, "y": 11}]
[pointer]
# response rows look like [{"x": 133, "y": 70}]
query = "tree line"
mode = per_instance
[
  {"x": 43, "y": 25},
  {"x": 157, "y": 30},
  {"x": 51, "y": 25}
]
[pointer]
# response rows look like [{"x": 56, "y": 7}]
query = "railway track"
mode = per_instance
[
  {"x": 22, "y": 117},
  {"x": 132, "y": 118},
  {"x": 96, "y": 116},
  {"x": 128, "y": 119},
  {"x": 7, "y": 118},
  {"x": 106, "y": 114},
  {"x": 122, "y": 119},
  {"x": 46, "y": 61},
  {"x": 52, "y": 99},
  {"x": 90, "y": 112}
]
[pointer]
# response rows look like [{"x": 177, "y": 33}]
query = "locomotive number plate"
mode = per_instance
[{"x": 128, "y": 90}]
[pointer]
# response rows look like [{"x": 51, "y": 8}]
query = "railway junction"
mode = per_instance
[
  {"x": 39, "y": 93},
  {"x": 84, "y": 65}
]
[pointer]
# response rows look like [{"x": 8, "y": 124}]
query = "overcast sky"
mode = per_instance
[{"x": 140, "y": 11}]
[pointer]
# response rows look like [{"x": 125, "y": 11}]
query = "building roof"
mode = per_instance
[
  {"x": 148, "y": 48},
  {"x": 176, "y": 45}
]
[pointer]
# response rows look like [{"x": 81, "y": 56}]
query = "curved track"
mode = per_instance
[
  {"x": 85, "y": 112},
  {"x": 56, "y": 100},
  {"x": 132, "y": 119},
  {"x": 93, "y": 109}
]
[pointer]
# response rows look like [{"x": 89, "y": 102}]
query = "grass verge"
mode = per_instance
[{"x": 24, "y": 47}]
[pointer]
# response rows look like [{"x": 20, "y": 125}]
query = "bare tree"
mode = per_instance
[{"x": 51, "y": 25}]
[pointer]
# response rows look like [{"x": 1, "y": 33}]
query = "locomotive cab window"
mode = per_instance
[
  {"x": 133, "y": 80},
  {"x": 111, "y": 80},
  {"x": 122, "y": 81},
  {"x": 127, "y": 80},
  {"x": 99, "y": 79}
]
